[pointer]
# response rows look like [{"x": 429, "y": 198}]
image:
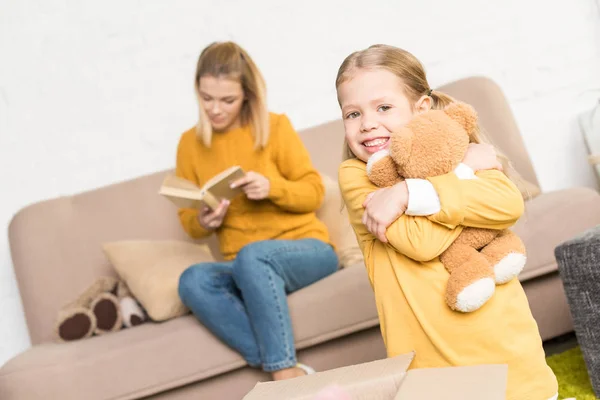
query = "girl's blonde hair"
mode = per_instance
[
  {"x": 412, "y": 74},
  {"x": 227, "y": 59}
]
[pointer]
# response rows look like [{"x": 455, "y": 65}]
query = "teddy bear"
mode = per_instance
[
  {"x": 105, "y": 306},
  {"x": 431, "y": 144}
]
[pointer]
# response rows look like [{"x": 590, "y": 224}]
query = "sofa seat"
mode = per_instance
[
  {"x": 155, "y": 357},
  {"x": 550, "y": 219}
]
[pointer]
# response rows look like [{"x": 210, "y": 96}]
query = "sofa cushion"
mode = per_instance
[
  {"x": 550, "y": 219},
  {"x": 151, "y": 269},
  {"x": 154, "y": 357},
  {"x": 528, "y": 189}
]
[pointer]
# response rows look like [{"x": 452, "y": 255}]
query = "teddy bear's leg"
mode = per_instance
[
  {"x": 108, "y": 314},
  {"x": 471, "y": 283},
  {"x": 76, "y": 323},
  {"x": 382, "y": 170},
  {"x": 506, "y": 254}
]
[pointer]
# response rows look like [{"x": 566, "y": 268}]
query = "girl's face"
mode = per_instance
[
  {"x": 222, "y": 98},
  {"x": 374, "y": 105}
]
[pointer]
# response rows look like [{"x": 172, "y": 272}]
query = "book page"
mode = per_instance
[
  {"x": 220, "y": 185},
  {"x": 183, "y": 193},
  {"x": 186, "y": 194},
  {"x": 230, "y": 174}
]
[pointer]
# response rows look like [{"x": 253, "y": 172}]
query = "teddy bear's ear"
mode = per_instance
[{"x": 464, "y": 114}]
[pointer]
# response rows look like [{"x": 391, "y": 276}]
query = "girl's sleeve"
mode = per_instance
[
  {"x": 298, "y": 188},
  {"x": 184, "y": 169},
  {"x": 491, "y": 200},
  {"x": 416, "y": 237}
]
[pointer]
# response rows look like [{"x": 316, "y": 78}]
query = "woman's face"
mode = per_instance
[{"x": 222, "y": 99}]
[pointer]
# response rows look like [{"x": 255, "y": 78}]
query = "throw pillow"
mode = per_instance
[{"x": 151, "y": 270}]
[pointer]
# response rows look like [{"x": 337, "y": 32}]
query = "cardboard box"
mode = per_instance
[{"x": 390, "y": 379}]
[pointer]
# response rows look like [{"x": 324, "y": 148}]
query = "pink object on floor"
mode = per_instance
[{"x": 332, "y": 393}]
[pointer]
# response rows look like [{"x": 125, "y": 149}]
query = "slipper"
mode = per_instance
[{"x": 307, "y": 370}]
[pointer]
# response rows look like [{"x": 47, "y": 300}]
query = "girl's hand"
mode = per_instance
[
  {"x": 481, "y": 156},
  {"x": 254, "y": 185},
  {"x": 211, "y": 220},
  {"x": 383, "y": 207}
]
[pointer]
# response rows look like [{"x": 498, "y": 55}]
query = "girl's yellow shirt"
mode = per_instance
[{"x": 409, "y": 283}]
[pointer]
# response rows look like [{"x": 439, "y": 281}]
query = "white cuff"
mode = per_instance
[
  {"x": 422, "y": 198},
  {"x": 463, "y": 171},
  {"x": 376, "y": 157}
]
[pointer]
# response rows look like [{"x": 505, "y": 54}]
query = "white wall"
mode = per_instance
[{"x": 93, "y": 92}]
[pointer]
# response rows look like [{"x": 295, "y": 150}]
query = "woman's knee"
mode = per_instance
[
  {"x": 191, "y": 282},
  {"x": 249, "y": 259}
]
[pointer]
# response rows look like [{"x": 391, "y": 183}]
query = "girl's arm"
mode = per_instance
[
  {"x": 488, "y": 199},
  {"x": 188, "y": 216},
  {"x": 298, "y": 187},
  {"x": 416, "y": 237}
]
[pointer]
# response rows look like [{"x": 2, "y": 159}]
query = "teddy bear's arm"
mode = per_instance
[
  {"x": 382, "y": 170},
  {"x": 492, "y": 201},
  {"x": 415, "y": 237}
]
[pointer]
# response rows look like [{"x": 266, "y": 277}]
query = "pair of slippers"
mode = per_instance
[{"x": 105, "y": 306}]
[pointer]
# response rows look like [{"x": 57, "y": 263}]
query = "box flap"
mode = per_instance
[
  {"x": 455, "y": 383},
  {"x": 377, "y": 380}
]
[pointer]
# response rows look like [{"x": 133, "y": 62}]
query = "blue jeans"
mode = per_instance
[{"x": 243, "y": 302}]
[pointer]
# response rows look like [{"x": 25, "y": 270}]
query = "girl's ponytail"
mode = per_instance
[{"x": 440, "y": 100}]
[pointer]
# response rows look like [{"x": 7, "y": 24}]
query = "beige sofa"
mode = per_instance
[{"x": 55, "y": 247}]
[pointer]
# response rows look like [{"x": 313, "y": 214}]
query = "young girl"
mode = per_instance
[
  {"x": 379, "y": 90},
  {"x": 271, "y": 238}
]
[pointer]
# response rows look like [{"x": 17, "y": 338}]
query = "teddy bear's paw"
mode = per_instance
[
  {"x": 475, "y": 295},
  {"x": 376, "y": 157},
  {"x": 509, "y": 267}
]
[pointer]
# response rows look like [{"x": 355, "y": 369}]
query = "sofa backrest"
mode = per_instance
[
  {"x": 56, "y": 244},
  {"x": 496, "y": 118}
]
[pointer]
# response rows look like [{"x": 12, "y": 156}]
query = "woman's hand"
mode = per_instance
[
  {"x": 213, "y": 219},
  {"x": 480, "y": 156},
  {"x": 254, "y": 185},
  {"x": 383, "y": 207}
]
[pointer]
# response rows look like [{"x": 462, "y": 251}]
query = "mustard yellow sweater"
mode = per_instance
[
  {"x": 409, "y": 283},
  {"x": 296, "y": 187}
]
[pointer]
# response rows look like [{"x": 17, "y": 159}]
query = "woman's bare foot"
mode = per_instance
[{"x": 287, "y": 373}]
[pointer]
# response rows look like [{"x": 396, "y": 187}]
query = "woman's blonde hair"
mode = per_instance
[
  {"x": 227, "y": 59},
  {"x": 410, "y": 70}
]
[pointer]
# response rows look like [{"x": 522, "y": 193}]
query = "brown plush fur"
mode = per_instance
[
  {"x": 433, "y": 144},
  {"x": 384, "y": 172}
]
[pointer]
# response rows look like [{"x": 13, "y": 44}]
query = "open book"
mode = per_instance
[{"x": 186, "y": 194}]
